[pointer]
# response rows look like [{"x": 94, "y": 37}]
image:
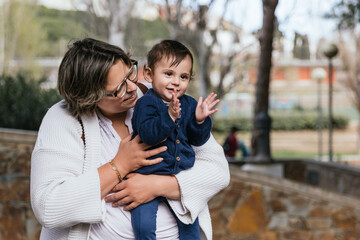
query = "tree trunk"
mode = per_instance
[{"x": 262, "y": 121}]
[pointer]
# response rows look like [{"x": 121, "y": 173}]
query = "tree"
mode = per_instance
[
  {"x": 347, "y": 14},
  {"x": 116, "y": 12},
  {"x": 21, "y": 34},
  {"x": 190, "y": 24},
  {"x": 262, "y": 121}
]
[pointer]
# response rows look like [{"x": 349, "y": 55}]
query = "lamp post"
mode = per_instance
[
  {"x": 330, "y": 51},
  {"x": 319, "y": 74}
]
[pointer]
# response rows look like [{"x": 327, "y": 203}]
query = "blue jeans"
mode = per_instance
[{"x": 143, "y": 220}]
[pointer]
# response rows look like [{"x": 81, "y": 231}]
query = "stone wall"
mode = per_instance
[
  {"x": 17, "y": 220},
  {"x": 253, "y": 207},
  {"x": 259, "y": 207}
]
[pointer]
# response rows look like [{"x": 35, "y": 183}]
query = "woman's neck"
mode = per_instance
[{"x": 118, "y": 123}]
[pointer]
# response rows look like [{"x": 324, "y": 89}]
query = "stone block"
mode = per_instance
[
  {"x": 268, "y": 236},
  {"x": 13, "y": 222},
  {"x": 344, "y": 218},
  {"x": 320, "y": 211},
  {"x": 276, "y": 170},
  {"x": 324, "y": 235},
  {"x": 318, "y": 223},
  {"x": 278, "y": 221},
  {"x": 295, "y": 235},
  {"x": 249, "y": 217},
  {"x": 277, "y": 205},
  {"x": 298, "y": 223},
  {"x": 298, "y": 206}
]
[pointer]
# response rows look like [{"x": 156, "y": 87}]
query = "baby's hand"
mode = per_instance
[
  {"x": 204, "y": 108},
  {"x": 174, "y": 107}
]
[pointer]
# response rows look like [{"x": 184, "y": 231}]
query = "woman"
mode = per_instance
[{"x": 83, "y": 150}]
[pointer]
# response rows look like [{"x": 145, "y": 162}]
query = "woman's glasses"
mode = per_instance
[{"x": 122, "y": 87}]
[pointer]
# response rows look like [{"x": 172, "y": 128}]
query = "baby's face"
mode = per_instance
[{"x": 167, "y": 79}]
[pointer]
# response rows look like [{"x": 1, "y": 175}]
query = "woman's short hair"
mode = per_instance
[
  {"x": 171, "y": 49},
  {"x": 83, "y": 74}
]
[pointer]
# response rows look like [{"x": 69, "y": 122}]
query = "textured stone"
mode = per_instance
[
  {"x": 318, "y": 223},
  {"x": 353, "y": 234},
  {"x": 298, "y": 206},
  {"x": 268, "y": 236},
  {"x": 277, "y": 205},
  {"x": 344, "y": 218},
  {"x": 249, "y": 217},
  {"x": 218, "y": 221},
  {"x": 278, "y": 221},
  {"x": 298, "y": 223},
  {"x": 12, "y": 222},
  {"x": 323, "y": 235},
  {"x": 320, "y": 211},
  {"x": 295, "y": 235}
]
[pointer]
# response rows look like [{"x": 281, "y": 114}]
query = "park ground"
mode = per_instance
[{"x": 304, "y": 144}]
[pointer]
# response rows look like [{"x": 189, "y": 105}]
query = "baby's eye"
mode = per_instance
[
  {"x": 185, "y": 77},
  {"x": 168, "y": 73}
]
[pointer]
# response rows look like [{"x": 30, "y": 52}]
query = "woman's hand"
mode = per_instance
[
  {"x": 138, "y": 189},
  {"x": 133, "y": 155}
]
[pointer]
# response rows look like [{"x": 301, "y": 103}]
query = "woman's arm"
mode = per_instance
[
  {"x": 131, "y": 156},
  {"x": 198, "y": 184},
  {"x": 66, "y": 185},
  {"x": 139, "y": 189}
]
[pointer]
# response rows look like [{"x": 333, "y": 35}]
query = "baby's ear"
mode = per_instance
[{"x": 148, "y": 74}]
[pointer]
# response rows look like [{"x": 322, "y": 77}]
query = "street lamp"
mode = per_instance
[
  {"x": 330, "y": 51},
  {"x": 319, "y": 74}
]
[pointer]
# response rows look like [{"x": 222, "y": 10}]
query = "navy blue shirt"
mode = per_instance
[{"x": 152, "y": 122}]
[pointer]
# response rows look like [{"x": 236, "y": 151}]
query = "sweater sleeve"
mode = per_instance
[
  {"x": 61, "y": 194},
  {"x": 209, "y": 175},
  {"x": 197, "y": 133}
]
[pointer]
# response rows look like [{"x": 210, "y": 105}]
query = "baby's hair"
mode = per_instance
[{"x": 171, "y": 49}]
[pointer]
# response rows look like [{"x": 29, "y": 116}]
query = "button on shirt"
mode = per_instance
[{"x": 153, "y": 123}]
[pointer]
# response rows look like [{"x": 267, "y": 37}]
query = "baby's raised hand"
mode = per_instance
[
  {"x": 174, "y": 107},
  {"x": 204, "y": 108}
]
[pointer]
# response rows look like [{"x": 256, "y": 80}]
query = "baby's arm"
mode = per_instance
[
  {"x": 151, "y": 121},
  {"x": 174, "y": 107},
  {"x": 204, "y": 108}
]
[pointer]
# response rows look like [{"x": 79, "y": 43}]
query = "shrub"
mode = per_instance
[
  {"x": 23, "y": 101},
  {"x": 290, "y": 122}
]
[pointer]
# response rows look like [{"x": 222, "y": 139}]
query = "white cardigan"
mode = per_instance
[{"x": 65, "y": 184}]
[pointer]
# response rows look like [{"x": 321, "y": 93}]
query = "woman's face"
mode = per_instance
[{"x": 114, "y": 105}]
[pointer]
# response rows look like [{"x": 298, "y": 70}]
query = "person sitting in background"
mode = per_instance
[{"x": 232, "y": 144}]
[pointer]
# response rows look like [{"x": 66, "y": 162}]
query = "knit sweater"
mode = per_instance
[
  {"x": 65, "y": 184},
  {"x": 152, "y": 122}
]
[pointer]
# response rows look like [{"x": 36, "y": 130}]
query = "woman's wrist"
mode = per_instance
[
  {"x": 119, "y": 168},
  {"x": 167, "y": 186}
]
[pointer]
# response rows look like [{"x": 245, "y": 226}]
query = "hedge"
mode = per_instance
[
  {"x": 290, "y": 122},
  {"x": 23, "y": 101}
]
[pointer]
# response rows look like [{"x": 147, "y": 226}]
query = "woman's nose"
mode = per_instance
[{"x": 131, "y": 86}]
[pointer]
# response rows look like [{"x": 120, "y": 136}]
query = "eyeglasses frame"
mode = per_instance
[{"x": 133, "y": 67}]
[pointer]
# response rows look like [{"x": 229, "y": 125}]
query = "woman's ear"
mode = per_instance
[{"x": 148, "y": 74}]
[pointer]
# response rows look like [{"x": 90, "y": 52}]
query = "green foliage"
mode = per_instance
[
  {"x": 23, "y": 102},
  {"x": 347, "y": 13},
  {"x": 288, "y": 122},
  {"x": 140, "y": 35},
  {"x": 61, "y": 26}
]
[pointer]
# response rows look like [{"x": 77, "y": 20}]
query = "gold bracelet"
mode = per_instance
[{"x": 113, "y": 166}]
